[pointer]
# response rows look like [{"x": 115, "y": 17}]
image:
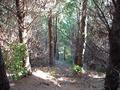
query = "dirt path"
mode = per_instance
[{"x": 58, "y": 78}]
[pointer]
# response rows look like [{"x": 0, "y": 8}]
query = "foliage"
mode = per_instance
[
  {"x": 77, "y": 69},
  {"x": 66, "y": 12},
  {"x": 16, "y": 65},
  {"x": 53, "y": 72}
]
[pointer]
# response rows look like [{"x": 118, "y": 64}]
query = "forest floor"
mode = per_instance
[{"x": 59, "y": 77}]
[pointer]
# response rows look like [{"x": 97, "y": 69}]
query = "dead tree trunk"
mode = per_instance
[
  {"x": 4, "y": 82},
  {"x": 112, "y": 73}
]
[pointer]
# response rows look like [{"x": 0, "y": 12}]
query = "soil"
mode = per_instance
[{"x": 59, "y": 77}]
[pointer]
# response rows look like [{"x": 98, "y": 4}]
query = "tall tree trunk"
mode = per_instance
[
  {"x": 20, "y": 5},
  {"x": 51, "y": 62},
  {"x": 112, "y": 73},
  {"x": 77, "y": 59},
  {"x": 81, "y": 36},
  {"x": 20, "y": 18},
  {"x": 55, "y": 39},
  {"x": 4, "y": 82},
  {"x": 64, "y": 53}
]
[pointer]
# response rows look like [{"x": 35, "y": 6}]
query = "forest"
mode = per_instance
[{"x": 59, "y": 44}]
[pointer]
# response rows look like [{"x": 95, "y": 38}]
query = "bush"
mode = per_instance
[
  {"x": 77, "y": 69},
  {"x": 16, "y": 64}
]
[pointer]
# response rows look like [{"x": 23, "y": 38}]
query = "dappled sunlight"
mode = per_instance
[
  {"x": 66, "y": 79},
  {"x": 54, "y": 79},
  {"x": 59, "y": 44},
  {"x": 45, "y": 76},
  {"x": 96, "y": 75},
  {"x": 12, "y": 84}
]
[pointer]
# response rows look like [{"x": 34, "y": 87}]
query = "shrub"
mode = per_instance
[
  {"x": 77, "y": 69},
  {"x": 16, "y": 64}
]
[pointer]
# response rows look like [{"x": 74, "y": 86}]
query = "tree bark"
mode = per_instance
[
  {"x": 112, "y": 73},
  {"x": 20, "y": 18},
  {"x": 51, "y": 63},
  {"x": 64, "y": 53},
  {"x": 55, "y": 39},
  {"x": 4, "y": 82},
  {"x": 81, "y": 36},
  {"x": 22, "y": 31}
]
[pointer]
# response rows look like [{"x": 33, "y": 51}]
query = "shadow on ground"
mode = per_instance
[{"x": 41, "y": 80}]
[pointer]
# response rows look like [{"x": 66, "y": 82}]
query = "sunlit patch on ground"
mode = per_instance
[
  {"x": 96, "y": 75},
  {"x": 56, "y": 80},
  {"x": 12, "y": 84},
  {"x": 60, "y": 78},
  {"x": 45, "y": 76},
  {"x": 66, "y": 79}
]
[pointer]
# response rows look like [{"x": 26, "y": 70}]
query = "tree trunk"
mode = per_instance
[
  {"x": 55, "y": 39},
  {"x": 51, "y": 63},
  {"x": 112, "y": 73},
  {"x": 20, "y": 18},
  {"x": 4, "y": 82},
  {"x": 22, "y": 31},
  {"x": 81, "y": 36},
  {"x": 64, "y": 53}
]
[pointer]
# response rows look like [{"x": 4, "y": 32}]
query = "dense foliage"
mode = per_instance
[{"x": 16, "y": 62}]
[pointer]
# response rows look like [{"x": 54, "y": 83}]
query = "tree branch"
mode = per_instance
[{"x": 105, "y": 20}]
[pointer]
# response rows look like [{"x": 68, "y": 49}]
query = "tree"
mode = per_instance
[
  {"x": 55, "y": 47},
  {"x": 4, "y": 82},
  {"x": 22, "y": 29},
  {"x": 112, "y": 73},
  {"x": 20, "y": 18},
  {"x": 50, "y": 31},
  {"x": 81, "y": 34}
]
